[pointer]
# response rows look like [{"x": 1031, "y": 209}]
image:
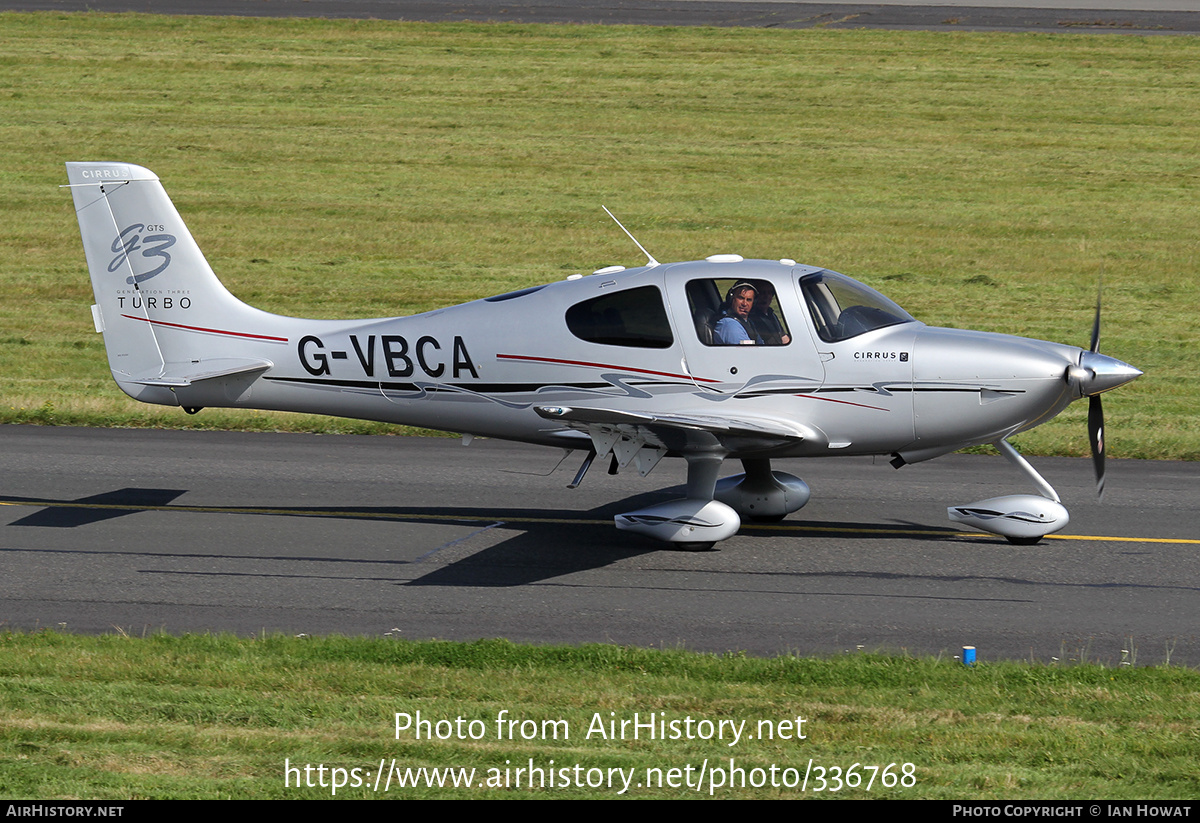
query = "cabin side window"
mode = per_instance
[
  {"x": 634, "y": 317},
  {"x": 729, "y": 312}
]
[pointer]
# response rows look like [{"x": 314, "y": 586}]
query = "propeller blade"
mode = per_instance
[
  {"x": 1096, "y": 323},
  {"x": 1096, "y": 439}
]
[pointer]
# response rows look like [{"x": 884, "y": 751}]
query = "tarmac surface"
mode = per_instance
[
  {"x": 1116, "y": 16},
  {"x": 138, "y": 531}
]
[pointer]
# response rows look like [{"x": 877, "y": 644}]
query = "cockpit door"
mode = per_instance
[{"x": 781, "y": 359}]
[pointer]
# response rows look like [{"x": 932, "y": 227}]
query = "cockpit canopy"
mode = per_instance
[
  {"x": 842, "y": 308},
  {"x": 637, "y": 317}
]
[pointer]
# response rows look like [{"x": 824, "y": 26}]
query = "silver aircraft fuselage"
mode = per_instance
[{"x": 704, "y": 360}]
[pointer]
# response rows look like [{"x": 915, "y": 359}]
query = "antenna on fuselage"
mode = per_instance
[{"x": 651, "y": 262}]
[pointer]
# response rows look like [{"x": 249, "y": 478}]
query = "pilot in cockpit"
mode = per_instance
[
  {"x": 734, "y": 327},
  {"x": 747, "y": 318}
]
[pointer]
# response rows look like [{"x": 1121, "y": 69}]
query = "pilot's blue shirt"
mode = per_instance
[{"x": 730, "y": 332}]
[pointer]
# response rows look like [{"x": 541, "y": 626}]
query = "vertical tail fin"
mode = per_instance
[{"x": 166, "y": 318}]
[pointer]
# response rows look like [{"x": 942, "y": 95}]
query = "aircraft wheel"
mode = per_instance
[
  {"x": 768, "y": 518},
  {"x": 1024, "y": 541},
  {"x": 695, "y": 547}
]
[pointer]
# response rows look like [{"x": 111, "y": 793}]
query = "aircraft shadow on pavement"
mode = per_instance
[
  {"x": 540, "y": 544},
  {"x": 96, "y": 508}
]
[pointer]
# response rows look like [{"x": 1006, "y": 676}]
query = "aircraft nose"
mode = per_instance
[{"x": 1098, "y": 373}]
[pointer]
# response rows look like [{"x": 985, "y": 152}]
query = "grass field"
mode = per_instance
[
  {"x": 368, "y": 168},
  {"x": 214, "y": 716}
]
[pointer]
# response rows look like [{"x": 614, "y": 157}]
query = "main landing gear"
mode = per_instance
[{"x": 712, "y": 509}]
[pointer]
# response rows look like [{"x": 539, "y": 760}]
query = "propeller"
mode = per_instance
[
  {"x": 1098, "y": 373},
  {"x": 1096, "y": 408}
]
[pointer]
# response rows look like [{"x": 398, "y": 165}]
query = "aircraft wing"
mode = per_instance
[
  {"x": 755, "y": 426},
  {"x": 650, "y": 435}
]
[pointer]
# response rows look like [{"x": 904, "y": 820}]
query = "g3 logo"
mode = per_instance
[{"x": 130, "y": 240}]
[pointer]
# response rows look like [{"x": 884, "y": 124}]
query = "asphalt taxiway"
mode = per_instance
[
  {"x": 141, "y": 531},
  {"x": 1114, "y": 16}
]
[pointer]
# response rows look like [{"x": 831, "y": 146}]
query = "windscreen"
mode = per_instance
[{"x": 842, "y": 308}]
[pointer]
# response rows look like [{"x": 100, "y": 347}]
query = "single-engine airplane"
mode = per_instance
[{"x": 705, "y": 360}]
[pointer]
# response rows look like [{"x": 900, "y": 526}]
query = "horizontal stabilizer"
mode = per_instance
[{"x": 177, "y": 375}]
